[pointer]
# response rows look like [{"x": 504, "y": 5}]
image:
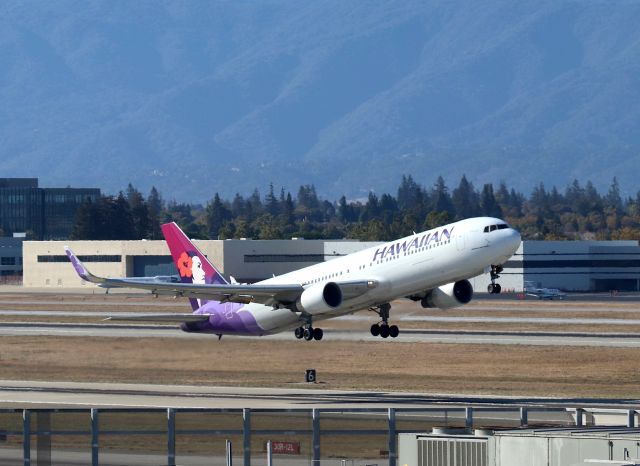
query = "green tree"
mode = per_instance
[
  {"x": 441, "y": 198},
  {"x": 435, "y": 219},
  {"x": 216, "y": 216},
  {"x": 613, "y": 200},
  {"x": 538, "y": 203},
  {"x": 271, "y": 202},
  {"x": 238, "y": 206},
  {"x": 254, "y": 205},
  {"x": 155, "y": 206},
  {"x": 86, "y": 224},
  {"x": 409, "y": 194},
  {"x": 465, "y": 200},
  {"x": 346, "y": 211},
  {"x": 119, "y": 220},
  {"x": 371, "y": 209},
  {"x": 488, "y": 202},
  {"x": 140, "y": 216}
]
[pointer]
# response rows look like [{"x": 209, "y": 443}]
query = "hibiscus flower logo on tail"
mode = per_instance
[{"x": 185, "y": 263}]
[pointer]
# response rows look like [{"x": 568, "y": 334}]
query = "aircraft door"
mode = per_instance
[
  {"x": 460, "y": 241},
  {"x": 476, "y": 239}
]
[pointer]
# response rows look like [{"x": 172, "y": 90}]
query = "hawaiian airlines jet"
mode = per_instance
[{"x": 431, "y": 268}]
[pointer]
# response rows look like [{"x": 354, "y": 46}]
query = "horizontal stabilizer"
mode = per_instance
[{"x": 166, "y": 317}]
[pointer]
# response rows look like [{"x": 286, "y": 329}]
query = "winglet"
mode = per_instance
[{"x": 81, "y": 270}]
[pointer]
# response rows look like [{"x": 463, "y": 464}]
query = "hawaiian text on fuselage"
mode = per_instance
[{"x": 415, "y": 242}]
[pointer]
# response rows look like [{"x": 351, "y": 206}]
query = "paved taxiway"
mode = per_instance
[
  {"x": 83, "y": 394},
  {"x": 76, "y": 307},
  {"x": 412, "y": 318},
  {"x": 613, "y": 340}
]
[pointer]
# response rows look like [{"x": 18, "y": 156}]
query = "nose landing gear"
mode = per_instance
[
  {"x": 495, "y": 288},
  {"x": 383, "y": 329}
]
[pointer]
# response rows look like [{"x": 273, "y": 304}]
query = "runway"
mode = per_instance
[
  {"x": 31, "y": 394},
  {"x": 101, "y": 315},
  {"x": 612, "y": 340}
]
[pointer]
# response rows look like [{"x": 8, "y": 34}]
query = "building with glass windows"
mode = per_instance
[
  {"x": 41, "y": 213},
  {"x": 10, "y": 258}
]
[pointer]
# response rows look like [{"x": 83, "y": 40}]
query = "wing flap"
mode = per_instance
[{"x": 265, "y": 294}]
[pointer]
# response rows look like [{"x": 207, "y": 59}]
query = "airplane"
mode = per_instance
[
  {"x": 545, "y": 293},
  {"x": 432, "y": 268}
]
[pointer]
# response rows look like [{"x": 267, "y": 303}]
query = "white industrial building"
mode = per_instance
[
  {"x": 566, "y": 265},
  {"x": 46, "y": 265},
  {"x": 575, "y": 265}
]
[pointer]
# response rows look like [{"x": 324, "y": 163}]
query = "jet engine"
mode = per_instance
[
  {"x": 320, "y": 298},
  {"x": 449, "y": 296},
  {"x": 191, "y": 327}
]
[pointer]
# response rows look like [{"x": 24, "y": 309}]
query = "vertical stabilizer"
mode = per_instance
[{"x": 192, "y": 265}]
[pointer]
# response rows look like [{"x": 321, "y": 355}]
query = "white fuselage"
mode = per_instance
[{"x": 411, "y": 266}]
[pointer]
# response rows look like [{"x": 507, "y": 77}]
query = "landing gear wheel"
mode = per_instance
[
  {"x": 495, "y": 288},
  {"x": 318, "y": 334},
  {"x": 383, "y": 329},
  {"x": 299, "y": 333},
  {"x": 308, "y": 334}
]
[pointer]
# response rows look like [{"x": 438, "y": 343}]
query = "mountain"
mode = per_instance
[{"x": 200, "y": 96}]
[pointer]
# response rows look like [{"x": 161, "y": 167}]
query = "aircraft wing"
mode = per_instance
[
  {"x": 239, "y": 293},
  {"x": 284, "y": 294}
]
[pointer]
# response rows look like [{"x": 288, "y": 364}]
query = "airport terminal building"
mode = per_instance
[{"x": 567, "y": 265}]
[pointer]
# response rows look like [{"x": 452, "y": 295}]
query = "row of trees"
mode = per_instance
[{"x": 578, "y": 212}]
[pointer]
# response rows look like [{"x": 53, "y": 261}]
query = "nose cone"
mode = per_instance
[{"x": 514, "y": 241}]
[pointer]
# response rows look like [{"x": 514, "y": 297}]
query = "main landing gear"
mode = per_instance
[
  {"x": 308, "y": 333},
  {"x": 495, "y": 288},
  {"x": 383, "y": 328}
]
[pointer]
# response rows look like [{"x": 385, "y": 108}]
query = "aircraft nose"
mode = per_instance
[{"x": 515, "y": 240}]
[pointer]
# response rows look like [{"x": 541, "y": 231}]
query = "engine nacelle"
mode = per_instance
[
  {"x": 449, "y": 296},
  {"x": 320, "y": 298},
  {"x": 192, "y": 327}
]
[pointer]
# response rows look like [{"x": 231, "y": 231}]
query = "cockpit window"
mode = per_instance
[{"x": 500, "y": 226}]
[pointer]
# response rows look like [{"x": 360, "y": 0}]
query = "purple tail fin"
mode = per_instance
[{"x": 192, "y": 265}]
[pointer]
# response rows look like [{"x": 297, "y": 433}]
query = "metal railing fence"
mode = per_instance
[{"x": 464, "y": 417}]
